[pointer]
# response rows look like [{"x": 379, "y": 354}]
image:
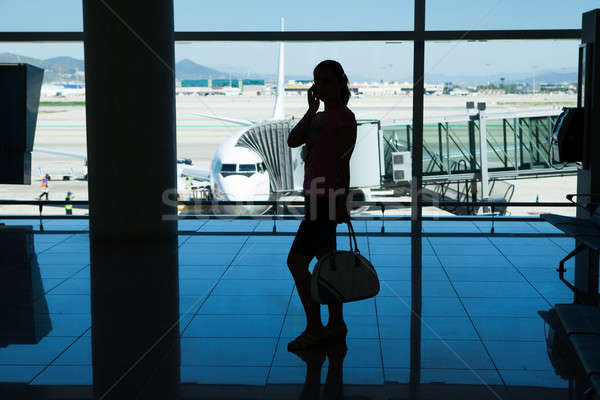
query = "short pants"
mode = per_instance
[{"x": 315, "y": 235}]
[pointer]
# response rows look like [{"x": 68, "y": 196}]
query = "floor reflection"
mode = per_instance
[{"x": 23, "y": 306}]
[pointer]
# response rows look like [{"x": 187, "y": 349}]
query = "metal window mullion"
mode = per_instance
[
  {"x": 315, "y": 36},
  {"x": 416, "y": 196}
]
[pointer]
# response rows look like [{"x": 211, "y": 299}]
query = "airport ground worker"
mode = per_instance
[
  {"x": 44, "y": 187},
  {"x": 68, "y": 206}
]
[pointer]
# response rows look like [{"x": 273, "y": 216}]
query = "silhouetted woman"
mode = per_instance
[{"x": 330, "y": 136}]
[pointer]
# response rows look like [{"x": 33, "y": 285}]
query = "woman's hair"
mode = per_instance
[{"x": 338, "y": 71}]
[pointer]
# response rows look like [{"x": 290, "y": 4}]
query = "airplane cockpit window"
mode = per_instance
[
  {"x": 247, "y": 167},
  {"x": 242, "y": 169},
  {"x": 228, "y": 167}
]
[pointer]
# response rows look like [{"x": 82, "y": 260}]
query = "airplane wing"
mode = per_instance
[
  {"x": 62, "y": 153},
  {"x": 199, "y": 174},
  {"x": 243, "y": 122}
]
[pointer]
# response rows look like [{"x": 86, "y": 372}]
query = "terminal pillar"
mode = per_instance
[
  {"x": 131, "y": 148},
  {"x": 588, "y": 176}
]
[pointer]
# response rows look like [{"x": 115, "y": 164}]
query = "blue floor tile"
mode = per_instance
[
  {"x": 553, "y": 289},
  {"x": 40, "y": 353},
  {"x": 469, "y": 261},
  {"x": 68, "y": 304},
  {"x": 201, "y": 272},
  {"x": 59, "y": 271},
  {"x": 224, "y": 375},
  {"x": 19, "y": 373},
  {"x": 487, "y": 274},
  {"x": 518, "y": 355},
  {"x": 73, "y": 286},
  {"x": 258, "y": 272},
  {"x": 447, "y": 328},
  {"x": 205, "y": 258},
  {"x": 247, "y": 304},
  {"x": 195, "y": 287},
  {"x": 404, "y": 274},
  {"x": 547, "y": 274},
  {"x": 69, "y": 324},
  {"x": 247, "y": 287},
  {"x": 247, "y": 326},
  {"x": 504, "y": 307},
  {"x": 510, "y": 328},
  {"x": 80, "y": 353},
  {"x": 453, "y": 354},
  {"x": 533, "y": 378},
  {"x": 63, "y": 258},
  {"x": 434, "y": 288},
  {"x": 446, "y": 376},
  {"x": 460, "y": 377},
  {"x": 496, "y": 289},
  {"x": 431, "y": 306},
  {"x": 249, "y": 352},
  {"x": 261, "y": 260}
]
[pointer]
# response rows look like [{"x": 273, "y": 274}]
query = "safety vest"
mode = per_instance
[
  {"x": 68, "y": 206},
  {"x": 44, "y": 182}
]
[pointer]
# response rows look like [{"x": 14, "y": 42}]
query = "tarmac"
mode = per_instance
[{"x": 64, "y": 128}]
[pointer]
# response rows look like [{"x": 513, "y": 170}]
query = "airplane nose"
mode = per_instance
[{"x": 238, "y": 188}]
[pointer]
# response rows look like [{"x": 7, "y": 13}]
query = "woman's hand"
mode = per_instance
[{"x": 313, "y": 100}]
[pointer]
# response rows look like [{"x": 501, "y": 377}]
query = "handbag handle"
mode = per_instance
[{"x": 352, "y": 236}]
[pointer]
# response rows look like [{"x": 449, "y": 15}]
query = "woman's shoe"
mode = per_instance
[
  {"x": 337, "y": 331},
  {"x": 305, "y": 341}
]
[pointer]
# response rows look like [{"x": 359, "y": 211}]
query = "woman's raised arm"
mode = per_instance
[{"x": 297, "y": 136}]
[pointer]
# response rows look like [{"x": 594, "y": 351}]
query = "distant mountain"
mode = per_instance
[
  {"x": 60, "y": 69},
  {"x": 542, "y": 76},
  {"x": 66, "y": 62},
  {"x": 57, "y": 69},
  {"x": 187, "y": 69}
]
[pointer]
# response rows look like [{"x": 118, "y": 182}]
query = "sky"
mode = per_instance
[{"x": 377, "y": 60}]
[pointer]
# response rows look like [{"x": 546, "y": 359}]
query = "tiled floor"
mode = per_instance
[{"x": 239, "y": 307}]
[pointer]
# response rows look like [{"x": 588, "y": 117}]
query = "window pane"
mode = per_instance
[
  {"x": 524, "y": 85},
  {"x": 239, "y": 15},
  {"x": 380, "y": 76},
  {"x": 41, "y": 15},
  {"x": 506, "y": 14}
]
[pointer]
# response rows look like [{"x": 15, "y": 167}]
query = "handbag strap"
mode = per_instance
[{"x": 352, "y": 236}]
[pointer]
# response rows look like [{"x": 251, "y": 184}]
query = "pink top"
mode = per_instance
[{"x": 323, "y": 147}]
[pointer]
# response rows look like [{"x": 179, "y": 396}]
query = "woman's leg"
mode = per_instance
[
  {"x": 298, "y": 265},
  {"x": 336, "y": 315}
]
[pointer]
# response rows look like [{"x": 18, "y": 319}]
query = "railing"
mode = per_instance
[
  {"x": 275, "y": 204},
  {"x": 275, "y": 216},
  {"x": 519, "y": 142}
]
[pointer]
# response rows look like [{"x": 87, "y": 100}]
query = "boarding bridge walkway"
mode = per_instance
[{"x": 517, "y": 145}]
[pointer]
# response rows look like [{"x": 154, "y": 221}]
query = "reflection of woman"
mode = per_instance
[
  {"x": 330, "y": 137},
  {"x": 314, "y": 358}
]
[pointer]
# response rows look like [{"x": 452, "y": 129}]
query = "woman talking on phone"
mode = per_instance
[{"x": 330, "y": 136}]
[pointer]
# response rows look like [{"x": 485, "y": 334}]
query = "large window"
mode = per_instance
[{"x": 506, "y": 14}]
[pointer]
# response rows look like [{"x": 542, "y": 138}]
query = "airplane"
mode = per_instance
[{"x": 238, "y": 173}]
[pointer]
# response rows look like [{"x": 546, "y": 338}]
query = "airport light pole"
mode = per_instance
[{"x": 533, "y": 86}]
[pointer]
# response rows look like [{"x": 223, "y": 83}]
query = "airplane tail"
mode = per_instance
[{"x": 279, "y": 107}]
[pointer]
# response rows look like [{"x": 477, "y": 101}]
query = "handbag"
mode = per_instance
[{"x": 344, "y": 276}]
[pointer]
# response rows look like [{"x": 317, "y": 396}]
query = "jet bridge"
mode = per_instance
[{"x": 286, "y": 167}]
